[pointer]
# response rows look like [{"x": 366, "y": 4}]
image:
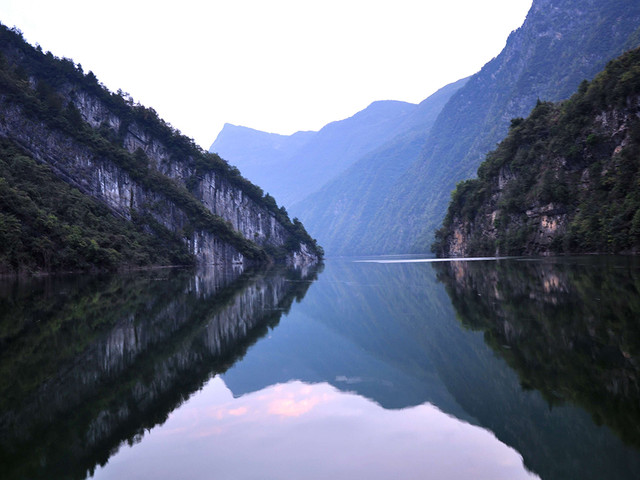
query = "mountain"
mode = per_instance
[
  {"x": 91, "y": 181},
  {"x": 565, "y": 180},
  {"x": 393, "y": 197},
  {"x": 257, "y": 153},
  {"x": 291, "y": 167},
  {"x": 344, "y": 207},
  {"x": 560, "y": 43}
]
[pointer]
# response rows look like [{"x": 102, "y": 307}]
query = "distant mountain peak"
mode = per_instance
[{"x": 292, "y": 166}]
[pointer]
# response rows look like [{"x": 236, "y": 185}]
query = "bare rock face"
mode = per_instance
[
  {"x": 217, "y": 194},
  {"x": 98, "y": 177}
]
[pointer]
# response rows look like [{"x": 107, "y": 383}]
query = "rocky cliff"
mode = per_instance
[
  {"x": 127, "y": 158},
  {"x": 561, "y": 43},
  {"x": 565, "y": 180}
]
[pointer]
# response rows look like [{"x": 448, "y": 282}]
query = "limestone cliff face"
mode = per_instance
[
  {"x": 214, "y": 191},
  {"x": 563, "y": 181},
  {"x": 168, "y": 156},
  {"x": 97, "y": 176},
  {"x": 543, "y": 225}
]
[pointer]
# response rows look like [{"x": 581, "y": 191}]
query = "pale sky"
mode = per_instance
[{"x": 273, "y": 65}]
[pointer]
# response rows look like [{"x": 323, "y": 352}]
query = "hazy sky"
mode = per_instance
[{"x": 273, "y": 65}]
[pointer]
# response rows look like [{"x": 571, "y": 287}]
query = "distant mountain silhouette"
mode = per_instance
[
  {"x": 343, "y": 208},
  {"x": 291, "y": 167}
]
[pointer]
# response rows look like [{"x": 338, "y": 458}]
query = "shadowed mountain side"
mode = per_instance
[
  {"x": 342, "y": 211},
  {"x": 561, "y": 43},
  {"x": 292, "y": 176},
  {"x": 92, "y": 364}
]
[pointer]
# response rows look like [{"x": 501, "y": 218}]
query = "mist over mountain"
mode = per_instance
[
  {"x": 290, "y": 167},
  {"x": 257, "y": 152},
  {"x": 344, "y": 207}
]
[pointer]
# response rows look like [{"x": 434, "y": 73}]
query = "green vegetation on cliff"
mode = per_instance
[
  {"x": 47, "y": 91},
  {"x": 45, "y": 224},
  {"x": 564, "y": 180},
  {"x": 560, "y": 43}
]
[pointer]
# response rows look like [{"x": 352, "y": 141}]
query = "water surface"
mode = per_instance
[{"x": 502, "y": 368}]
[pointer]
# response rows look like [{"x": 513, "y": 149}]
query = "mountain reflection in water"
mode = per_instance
[
  {"x": 312, "y": 431},
  {"x": 487, "y": 369},
  {"x": 570, "y": 327},
  {"x": 89, "y": 362}
]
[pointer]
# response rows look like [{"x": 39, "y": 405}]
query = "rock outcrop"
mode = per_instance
[{"x": 563, "y": 181}]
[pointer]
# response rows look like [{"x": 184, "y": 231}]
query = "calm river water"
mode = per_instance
[{"x": 386, "y": 368}]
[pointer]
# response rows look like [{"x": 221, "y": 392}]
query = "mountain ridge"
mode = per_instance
[
  {"x": 561, "y": 43},
  {"x": 341, "y": 209},
  {"x": 292, "y": 172},
  {"x": 124, "y": 157}
]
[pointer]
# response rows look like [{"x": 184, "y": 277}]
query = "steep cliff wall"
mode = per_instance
[
  {"x": 565, "y": 180},
  {"x": 128, "y": 158},
  {"x": 561, "y": 43},
  {"x": 217, "y": 193},
  {"x": 99, "y": 177}
]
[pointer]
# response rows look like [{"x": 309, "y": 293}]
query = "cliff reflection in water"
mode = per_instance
[
  {"x": 87, "y": 363},
  {"x": 389, "y": 332},
  {"x": 570, "y": 329}
]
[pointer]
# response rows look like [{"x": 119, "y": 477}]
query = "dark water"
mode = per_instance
[{"x": 500, "y": 369}]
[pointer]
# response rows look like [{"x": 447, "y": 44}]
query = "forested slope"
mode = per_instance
[
  {"x": 561, "y": 43},
  {"x": 124, "y": 168},
  {"x": 565, "y": 180}
]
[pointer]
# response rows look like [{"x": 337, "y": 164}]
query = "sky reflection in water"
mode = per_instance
[
  {"x": 401, "y": 370},
  {"x": 298, "y": 430}
]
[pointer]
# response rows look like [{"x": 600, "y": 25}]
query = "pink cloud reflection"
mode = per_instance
[
  {"x": 295, "y": 402},
  {"x": 236, "y": 412},
  {"x": 287, "y": 407}
]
